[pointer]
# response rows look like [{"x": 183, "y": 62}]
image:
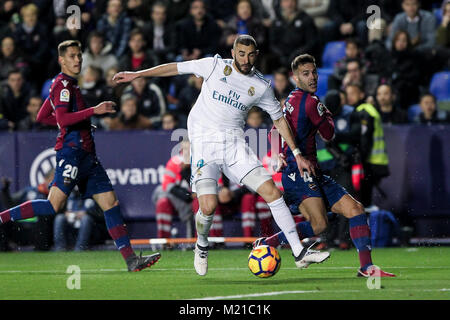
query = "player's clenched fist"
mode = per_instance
[
  {"x": 125, "y": 76},
  {"x": 105, "y": 107}
]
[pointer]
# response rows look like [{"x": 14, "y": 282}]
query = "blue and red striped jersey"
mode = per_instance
[
  {"x": 306, "y": 116},
  {"x": 72, "y": 116}
]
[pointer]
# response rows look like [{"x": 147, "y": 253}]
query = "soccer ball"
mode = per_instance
[{"x": 264, "y": 261}]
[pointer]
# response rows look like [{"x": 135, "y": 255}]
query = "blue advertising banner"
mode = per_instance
[{"x": 419, "y": 161}]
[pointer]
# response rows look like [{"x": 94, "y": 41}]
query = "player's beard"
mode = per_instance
[{"x": 239, "y": 67}]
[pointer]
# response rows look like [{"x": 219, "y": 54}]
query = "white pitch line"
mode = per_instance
[
  {"x": 215, "y": 269},
  {"x": 277, "y": 293}
]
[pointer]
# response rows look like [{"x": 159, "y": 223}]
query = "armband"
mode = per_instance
[{"x": 296, "y": 151}]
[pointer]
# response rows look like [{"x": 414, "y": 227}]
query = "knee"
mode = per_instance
[
  {"x": 355, "y": 210},
  {"x": 208, "y": 208},
  {"x": 271, "y": 194}
]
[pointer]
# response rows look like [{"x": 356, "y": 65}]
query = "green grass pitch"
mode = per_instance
[{"x": 422, "y": 273}]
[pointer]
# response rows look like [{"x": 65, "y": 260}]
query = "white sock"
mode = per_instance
[
  {"x": 285, "y": 221},
  {"x": 203, "y": 224}
]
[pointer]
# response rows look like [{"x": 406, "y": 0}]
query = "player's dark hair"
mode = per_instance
[
  {"x": 246, "y": 40},
  {"x": 301, "y": 60},
  {"x": 63, "y": 46}
]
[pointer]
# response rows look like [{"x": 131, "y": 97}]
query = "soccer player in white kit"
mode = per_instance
[{"x": 215, "y": 128}]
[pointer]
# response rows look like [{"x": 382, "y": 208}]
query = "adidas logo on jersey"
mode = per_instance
[{"x": 224, "y": 79}]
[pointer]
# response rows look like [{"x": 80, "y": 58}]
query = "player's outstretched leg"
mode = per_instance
[
  {"x": 360, "y": 235},
  {"x": 118, "y": 232},
  {"x": 27, "y": 210},
  {"x": 304, "y": 231}
]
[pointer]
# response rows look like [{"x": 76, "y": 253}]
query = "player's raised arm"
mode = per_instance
[
  {"x": 66, "y": 118},
  {"x": 163, "y": 70},
  {"x": 285, "y": 131}
]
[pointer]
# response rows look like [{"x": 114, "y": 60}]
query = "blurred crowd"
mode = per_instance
[
  {"x": 392, "y": 51},
  {"x": 389, "y": 65}
]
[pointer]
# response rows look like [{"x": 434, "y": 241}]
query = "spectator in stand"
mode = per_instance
[
  {"x": 94, "y": 91},
  {"x": 169, "y": 121},
  {"x": 14, "y": 96},
  {"x": 282, "y": 85},
  {"x": 116, "y": 26},
  {"x": 221, "y": 10},
  {"x": 76, "y": 225},
  {"x": 377, "y": 58},
  {"x": 138, "y": 11},
  {"x": 419, "y": 24},
  {"x": 33, "y": 40},
  {"x": 292, "y": 34},
  {"x": 29, "y": 123},
  {"x": 352, "y": 52},
  {"x": 347, "y": 20},
  {"x": 113, "y": 91},
  {"x": 11, "y": 59},
  {"x": 151, "y": 101},
  {"x": 98, "y": 54},
  {"x": 254, "y": 118},
  {"x": 443, "y": 35},
  {"x": 187, "y": 97},
  {"x": 160, "y": 34},
  {"x": 355, "y": 75},
  {"x": 389, "y": 112},
  {"x": 177, "y": 10},
  {"x": 243, "y": 22},
  {"x": 137, "y": 57},
  {"x": 128, "y": 117},
  {"x": 443, "y": 31},
  {"x": 429, "y": 114},
  {"x": 198, "y": 35},
  {"x": 406, "y": 73},
  {"x": 316, "y": 9}
]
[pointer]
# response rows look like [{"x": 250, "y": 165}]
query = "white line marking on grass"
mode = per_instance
[
  {"x": 277, "y": 293},
  {"x": 214, "y": 269}
]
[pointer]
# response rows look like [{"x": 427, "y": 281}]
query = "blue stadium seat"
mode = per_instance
[
  {"x": 45, "y": 91},
  {"x": 334, "y": 50},
  {"x": 322, "y": 84},
  {"x": 438, "y": 15},
  {"x": 413, "y": 112},
  {"x": 440, "y": 85}
]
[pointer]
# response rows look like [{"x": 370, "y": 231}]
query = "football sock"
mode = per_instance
[
  {"x": 304, "y": 230},
  {"x": 360, "y": 234},
  {"x": 27, "y": 210},
  {"x": 203, "y": 224},
  {"x": 283, "y": 218},
  {"x": 118, "y": 231}
]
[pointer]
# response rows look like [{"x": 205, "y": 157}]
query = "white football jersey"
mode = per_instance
[{"x": 226, "y": 97}]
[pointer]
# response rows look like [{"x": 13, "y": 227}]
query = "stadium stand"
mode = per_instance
[{"x": 333, "y": 51}]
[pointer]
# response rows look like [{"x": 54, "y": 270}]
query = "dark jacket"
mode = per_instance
[
  {"x": 169, "y": 40},
  {"x": 289, "y": 39},
  {"x": 207, "y": 39}
]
